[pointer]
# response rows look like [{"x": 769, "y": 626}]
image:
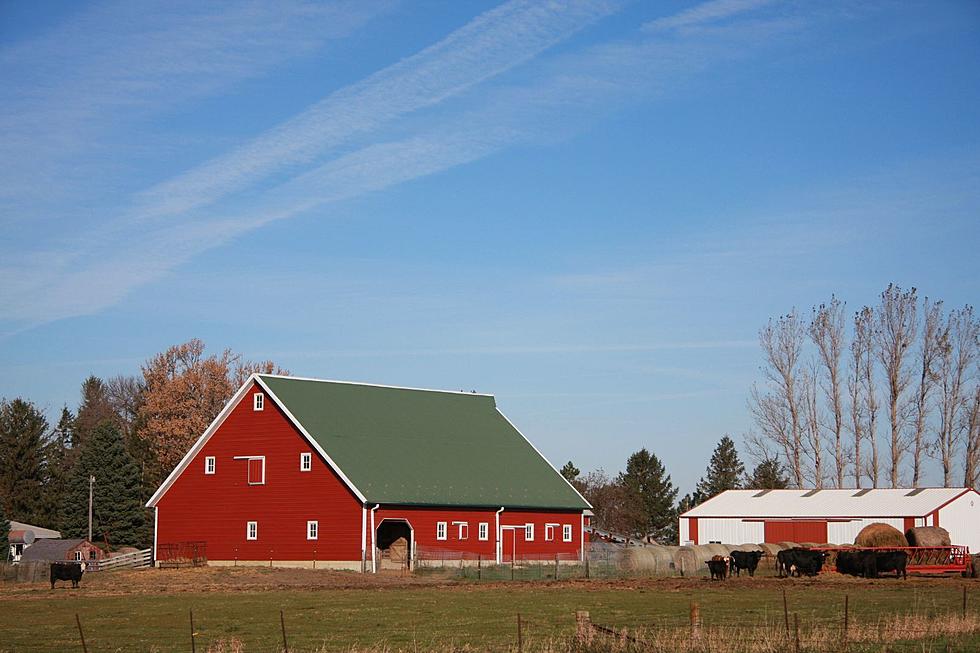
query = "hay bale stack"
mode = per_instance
[
  {"x": 878, "y": 534},
  {"x": 647, "y": 560},
  {"x": 928, "y": 536},
  {"x": 686, "y": 561}
]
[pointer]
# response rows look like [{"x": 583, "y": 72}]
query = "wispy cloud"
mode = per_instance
[
  {"x": 705, "y": 13},
  {"x": 575, "y": 86},
  {"x": 62, "y": 91}
]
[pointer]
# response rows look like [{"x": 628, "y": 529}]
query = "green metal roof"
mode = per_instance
[{"x": 424, "y": 447}]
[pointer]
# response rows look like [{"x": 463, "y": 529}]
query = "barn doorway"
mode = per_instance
[
  {"x": 395, "y": 539},
  {"x": 508, "y": 542}
]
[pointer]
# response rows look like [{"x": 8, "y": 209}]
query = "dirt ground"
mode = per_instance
[{"x": 263, "y": 579}]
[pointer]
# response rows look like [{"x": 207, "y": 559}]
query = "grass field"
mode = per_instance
[{"x": 149, "y": 610}]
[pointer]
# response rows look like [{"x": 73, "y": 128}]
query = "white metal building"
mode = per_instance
[{"x": 834, "y": 516}]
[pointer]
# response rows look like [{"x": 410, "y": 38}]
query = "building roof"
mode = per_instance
[
  {"x": 423, "y": 447},
  {"x": 39, "y": 532},
  {"x": 906, "y": 502},
  {"x": 50, "y": 549}
]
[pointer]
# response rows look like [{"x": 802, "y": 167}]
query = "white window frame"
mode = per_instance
[
  {"x": 306, "y": 461},
  {"x": 441, "y": 530},
  {"x": 209, "y": 465},
  {"x": 252, "y": 530},
  {"x": 78, "y": 556},
  {"x": 529, "y": 532},
  {"x": 248, "y": 465},
  {"x": 462, "y": 530},
  {"x": 484, "y": 531},
  {"x": 549, "y": 532},
  {"x": 258, "y": 401},
  {"x": 312, "y": 529},
  {"x": 566, "y": 533}
]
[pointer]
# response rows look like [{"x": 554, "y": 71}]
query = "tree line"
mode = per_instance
[
  {"x": 641, "y": 502},
  {"x": 866, "y": 400},
  {"x": 127, "y": 433}
]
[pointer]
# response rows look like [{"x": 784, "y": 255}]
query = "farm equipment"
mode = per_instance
[{"x": 922, "y": 559}]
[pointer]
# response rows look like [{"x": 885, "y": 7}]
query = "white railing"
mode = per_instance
[{"x": 142, "y": 558}]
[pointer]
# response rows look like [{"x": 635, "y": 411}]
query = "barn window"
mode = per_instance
[
  {"x": 78, "y": 556},
  {"x": 441, "y": 530},
  {"x": 305, "y": 461},
  {"x": 529, "y": 532},
  {"x": 484, "y": 531},
  {"x": 256, "y": 471},
  {"x": 91, "y": 554},
  {"x": 549, "y": 532},
  {"x": 462, "y": 530},
  {"x": 566, "y": 533},
  {"x": 258, "y": 401},
  {"x": 312, "y": 530},
  {"x": 209, "y": 465},
  {"x": 252, "y": 530}
]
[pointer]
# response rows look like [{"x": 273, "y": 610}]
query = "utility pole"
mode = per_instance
[{"x": 91, "y": 483}]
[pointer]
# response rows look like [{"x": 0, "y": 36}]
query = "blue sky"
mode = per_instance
[{"x": 586, "y": 208}]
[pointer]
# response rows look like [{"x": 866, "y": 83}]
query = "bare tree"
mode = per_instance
[
  {"x": 827, "y": 333},
  {"x": 957, "y": 355},
  {"x": 855, "y": 394},
  {"x": 895, "y": 329},
  {"x": 972, "y": 464},
  {"x": 928, "y": 351},
  {"x": 776, "y": 409},
  {"x": 810, "y": 402},
  {"x": 863, "y": 352}
]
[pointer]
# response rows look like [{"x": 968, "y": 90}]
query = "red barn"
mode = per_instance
[{"x": 306, "y": 472}]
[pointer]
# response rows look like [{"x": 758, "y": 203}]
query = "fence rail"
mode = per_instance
[{"x": 132, "y": 560}]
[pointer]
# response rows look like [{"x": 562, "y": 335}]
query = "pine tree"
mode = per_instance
[
  {"x": 767, "y": 475},
  {"x": 22, "y": 433},
  {"x": 4, "y": 536},
  {"x": 652, "y": 495},
  {"x": 570, "y": 472},
  {"x": 60, "y": 457},
  {"x": 117, "y": 514},
  {"x": 95, "y": 409},
  {"x": 725, "y": 472}
]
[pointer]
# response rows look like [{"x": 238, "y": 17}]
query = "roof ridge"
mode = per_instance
[{"x": 373, "y": 385}]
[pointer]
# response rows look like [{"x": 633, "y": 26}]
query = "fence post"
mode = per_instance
[
  {"x": 314, "y": 558},
  {"x": 583, "y": 625},
  {"x": 556, "y": 570},
  {"x": 587, "y": 567},
  {"x": 520, "y": 635},
  {"x": 513, "y": 562},
  {"x": 964, "y": 601},
  {"x": 282, "y": 622},
  {"x": 785, "y": 611},
  {"x": 846, "y": 618},
  {"x": 80, "y": 633},
  {"x": 193, "y": 646},
  {"x": 695, "y": 620},
  {"x": 796, "y": 630},
  {"x": 479, "y": 566}
]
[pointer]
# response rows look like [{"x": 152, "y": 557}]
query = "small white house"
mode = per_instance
[
  {"x": 22, "y": 536},
  {"x": 834, "y": 516}
]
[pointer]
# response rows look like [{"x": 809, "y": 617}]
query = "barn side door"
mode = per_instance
[{"x": 508, "y": 538}]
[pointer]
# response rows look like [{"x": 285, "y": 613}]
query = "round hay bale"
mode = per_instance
[
  {"x": 976, "y": 567},
  {"x": 770, "y": 548},
  {"x": 686, "y": 561},
  {"x": 928, "y": 536},
  {"x": 878, "y": 534},
  {"x": 709, "y": 551},
  {"x": 748, "y": 547},
  {"x": 647, "y": 560}
]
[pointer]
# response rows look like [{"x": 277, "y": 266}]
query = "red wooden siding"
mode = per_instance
[
  {"x": 692, "y": 529},
  {"x": 796, "y": 531},
  {"x": 909, "y": 523},
  {"x": 215, "y": 508}
]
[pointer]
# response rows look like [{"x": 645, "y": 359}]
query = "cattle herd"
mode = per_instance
[{"x": 809, "y": 562}]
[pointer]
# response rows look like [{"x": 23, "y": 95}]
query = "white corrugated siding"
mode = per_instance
[
  {"x": 684, "y": 531},
  {"x": 845, "y": 532},
  {"x": 730, "y": 531},
  {"x": 962, "y": 519},
  {"x": 825, "y": 503}
]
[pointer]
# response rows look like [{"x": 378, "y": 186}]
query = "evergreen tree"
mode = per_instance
[
  {"x": 22, "y": 433},
  {"x": 117, "y": 514},
  {"x": 725, "y": 472},
  {"x": 60, "y": 458},
  {"x": 652, "y": 495},
  {"x": 96, "y": 408},
  {"x": 767, "y": 475},
  {"x": 570, "y": 472},
  {"x": 4, "y": 537}
]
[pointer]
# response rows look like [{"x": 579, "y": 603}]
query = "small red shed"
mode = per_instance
[{"x": 308, "y": 472}]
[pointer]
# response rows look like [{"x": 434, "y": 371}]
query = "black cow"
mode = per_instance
[
  {"x": 869, "y": 564},
  {"x": 67, "y": 571},
  {"x": 747, "y": 560},
  {"x": 800, "y": 561},
  {"x": 718, "y": 568}
]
